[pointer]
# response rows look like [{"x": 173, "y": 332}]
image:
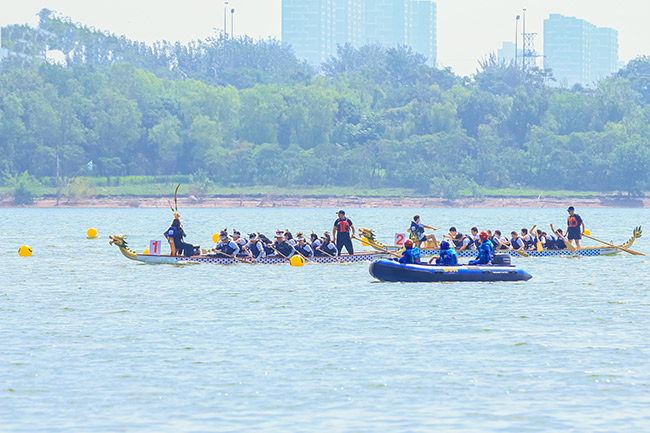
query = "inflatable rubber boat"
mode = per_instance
[{"x": 390, "y": 270}]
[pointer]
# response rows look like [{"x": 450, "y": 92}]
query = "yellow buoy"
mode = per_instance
[
  {"x": 297, "y": 261},
  {"x": 364, "y": 241},
  {"x": 587, "y": 232},
  {"x": 215, "y": 238},
  {"x": 146, "y": 252},
  {"x": 25, "y": 251},
  {"x": 92, "y": 233}
]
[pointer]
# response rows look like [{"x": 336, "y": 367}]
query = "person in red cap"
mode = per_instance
[
  {"x": 485, "y": 251},
  {"x": 411, "y": 254}
]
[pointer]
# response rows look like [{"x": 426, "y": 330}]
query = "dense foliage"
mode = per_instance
[{"x": 241, "y": 112}]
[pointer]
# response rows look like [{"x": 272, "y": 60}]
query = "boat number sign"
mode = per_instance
[
  {"x": 399, "y": 239},
  {"x": 155, "y": 247}
]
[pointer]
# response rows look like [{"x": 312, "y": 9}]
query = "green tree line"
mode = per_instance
[{"x": 241, "y": 112}]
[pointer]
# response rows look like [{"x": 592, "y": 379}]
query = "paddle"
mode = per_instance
[
  {"x": 280, "y": 252},
  {"x": 634, "y": 253},
  {"x": 233, "y": 257},
  {"x": 566, "y": 241},
  {"x": 521, "y": 253},
  {"x": 326, "y": 253},
  {"x": 303, "y": 256},
  {"x": 379, "y": 248}
]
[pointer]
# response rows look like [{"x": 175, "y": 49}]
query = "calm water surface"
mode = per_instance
[{"x": 92, "y": 342}]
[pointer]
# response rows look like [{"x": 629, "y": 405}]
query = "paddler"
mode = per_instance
[
  {"x": 500, "y": 242},
  {"x": 255, "y": 247},
  {"x": 282, "y": 247},
  {"x": 327, "y": 246},
  {"x": 225, "y": 247},
  {"x": 315, "y": 244},
  {"x": 485, "y": 251},
  {"x": 417, "y": 235},
  {"x": 575, "y": 226},
  {"x": 241, "y": 242},
  {"x": 515, "y": 241},
  {"x": 461, "y": 242},
  {"x": 289, "y": 238},
  {"x": 411, "y": 253},
  {"x": 341, "y": 233},
  {"x": 302, "y": 247}
]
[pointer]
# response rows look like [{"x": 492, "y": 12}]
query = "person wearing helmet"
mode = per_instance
[
  {"x": 411, "y": 254},
  {"x": 485, "y": 251},
  {"x": 447, "y": 257}
]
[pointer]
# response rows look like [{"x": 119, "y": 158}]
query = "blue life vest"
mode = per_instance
[
  {"x": 447, "y": 257},
  {"x": 410, "y": 255}
]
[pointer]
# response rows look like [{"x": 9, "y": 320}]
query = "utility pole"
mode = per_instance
[
  {"x": 516, "y": 37},
  {"x": 523, "y": 52},
  {"x": 225, "y": 18}
]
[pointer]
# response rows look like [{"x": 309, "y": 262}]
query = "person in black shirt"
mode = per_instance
[
  {"x": 341, "y": 233},
  {"x": 174, "y": 236},
  {"x": 575, "y": 226}
]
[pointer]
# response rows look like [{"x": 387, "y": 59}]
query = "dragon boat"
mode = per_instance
[
  {"x": 390, "y": 270},
  {"x": 368, "y": 237},
  {"x": 121, "y": 243}
]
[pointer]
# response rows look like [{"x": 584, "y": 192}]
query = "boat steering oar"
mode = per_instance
[
  {"x": 176, "y": 199},
  {"x": 168, "y": 201},
  {"x": 326, "y": 253},
  {"x": 379, "y": 248},
  {"x": 634, "y": 253}
]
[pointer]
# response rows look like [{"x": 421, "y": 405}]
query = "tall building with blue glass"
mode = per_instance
[
  {"x": 577, "y": 51},
  {"x": 315, "y": 27}
]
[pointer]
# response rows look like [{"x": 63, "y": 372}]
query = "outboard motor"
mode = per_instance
[{"x": 501, "y": 260}]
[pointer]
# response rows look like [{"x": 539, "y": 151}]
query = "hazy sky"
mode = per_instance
[{"x": 468, "y": 30}]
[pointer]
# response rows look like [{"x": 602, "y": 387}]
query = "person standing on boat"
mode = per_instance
[
  {"x": 255, "y": 247},
  {"x": 447, "y": 257},
  {"x": 341, "y": 233},
  {"x": 417, "y": 235},
  {"x": 485, "y": 251},
  {"x": 411, "y": 253},
  {"x": 174, "y": 236},
  {"x": 575, "y": 226}
]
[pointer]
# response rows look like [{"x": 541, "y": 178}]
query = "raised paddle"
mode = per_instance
[
  {"x": 335, "y": 258},
  {"x": 566, "y": 241},
  {"x": 379, "y": 248},
  {"x": 634, "y": 253}
]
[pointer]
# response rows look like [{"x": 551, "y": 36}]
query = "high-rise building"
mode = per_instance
[
  {"x": 315, "y": 27},
  {"x": 423, "y": 31},
  {"x": 506, "y": 54},
  {"x": 577, "y": 51},
  {"x": 309, "y": 26}
]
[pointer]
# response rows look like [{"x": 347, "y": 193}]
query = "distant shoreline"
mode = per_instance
[{"x": 270, "y": 201}]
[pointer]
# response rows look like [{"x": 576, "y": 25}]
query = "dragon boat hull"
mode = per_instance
[
  {"x": 584, "y": 252},
  {"x": 589, "y": 251},
  {"x": 359, "y": 257},
  {"x": 389, "y": 270},
  {"x": 119, "y": 242}
]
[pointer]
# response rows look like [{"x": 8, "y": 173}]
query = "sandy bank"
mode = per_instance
[{"x": 336, "y": 202}]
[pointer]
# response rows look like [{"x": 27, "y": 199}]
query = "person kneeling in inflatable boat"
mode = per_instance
[
  {"x": 447, "y": 257},
  {"x": 411, "y": 254},
  {"x": 485, "y": 251}
]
